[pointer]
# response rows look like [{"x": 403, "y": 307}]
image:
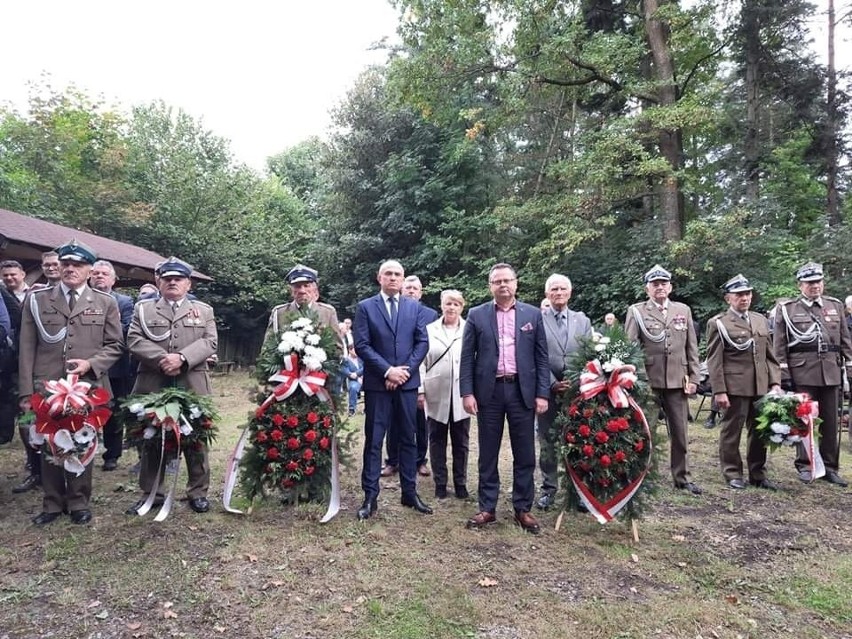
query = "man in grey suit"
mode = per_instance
[
  {"x": 562, "y": 327},
  {"x": 504, "y": 376}
]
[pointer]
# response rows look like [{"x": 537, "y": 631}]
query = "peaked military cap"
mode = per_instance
[
  {"x": 173, "y": 267},
  {"x": 75, "y": 251},
  {"x": 657, "y": 272},
  {"x": 737, "y": 284},
  {"x": 810, "y": 272},
  {"x": 301, "y": 273}
]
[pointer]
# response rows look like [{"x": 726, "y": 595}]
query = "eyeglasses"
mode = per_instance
[{"x": 502, "y": 282}]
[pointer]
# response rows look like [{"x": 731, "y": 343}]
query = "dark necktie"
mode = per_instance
[
  {"x": 392, "y": 303},
  {"x": 72, "y": 299}
]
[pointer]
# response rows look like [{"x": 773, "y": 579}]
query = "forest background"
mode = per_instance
[{"x": 588, "y": 137}]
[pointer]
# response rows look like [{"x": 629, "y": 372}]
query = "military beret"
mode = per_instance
[
  {"x": 810, "y": 272},
  {"x": 301, "y": 273},
  {"x": 737, "y": 284},
  {"x": 657, "y": 272},
  {"x": 173, "y": 267},
  {"x": 75, "y": 251}
]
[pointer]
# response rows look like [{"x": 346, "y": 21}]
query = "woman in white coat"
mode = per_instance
[{"x": 439, "y": 394}]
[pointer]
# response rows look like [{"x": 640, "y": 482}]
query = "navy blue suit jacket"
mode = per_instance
[
  {"x": 478, "y": 366},
  {"x": 123, "y": 367},
  {"x": 380, "y": 346}
]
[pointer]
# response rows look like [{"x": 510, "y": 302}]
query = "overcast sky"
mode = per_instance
[{"x": 263, "y": 74}]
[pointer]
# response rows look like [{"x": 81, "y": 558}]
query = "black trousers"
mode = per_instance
[{"x": 459, "y": 435}]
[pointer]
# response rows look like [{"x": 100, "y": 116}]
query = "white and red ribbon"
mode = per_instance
[
  {"x": 621, "y": 379},
  {"x": 817, "y": 465},
  {"x": 67, "y": 395},
  {"x": 293, "y": 377}
]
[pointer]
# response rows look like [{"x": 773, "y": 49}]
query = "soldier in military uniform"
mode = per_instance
[
  {"x": 742, "y": 368},
  {"x": 811, "y": 343},
  {"x": 67, "y": 328},
  {"x": 304, "y": 288},
  {"x": 666, "y": 332},
  {"x": 172, "y": 337}
]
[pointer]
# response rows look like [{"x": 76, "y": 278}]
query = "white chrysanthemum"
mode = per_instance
[
  {"x": 312, "y": 340},
  {"x": 604, "y": 340},
  {"x": 315, "y": 353},
  {"x": 600, "y": 347},
  {"x": 302, "y": 322},
  {"x": 778, "y": 427},
  {"x": 195, "y": 412},
  {"x": 85, "y": 435},
  {"x": 793, "y": 439},
  {"x": 138, "y": 408},
  {"x": 312, "y": 363},
  {"x": 777, "y": 438}
]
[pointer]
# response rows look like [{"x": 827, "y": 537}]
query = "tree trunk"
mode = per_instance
[
  {"x": 751, "y": 36},
  {"x": 670, "y": 140},
  {"x": 833, "y": 201}
]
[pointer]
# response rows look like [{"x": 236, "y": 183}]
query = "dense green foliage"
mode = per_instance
[{"x": 590, "y": 137}]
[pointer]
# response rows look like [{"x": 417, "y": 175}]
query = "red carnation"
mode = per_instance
[
  {"x": 573, "y": 410},
  {"x": 584, "y": 430},
  {"x": 804, "y": 409},
  {"x": 278, "y": 419},
  {"x": 639, "y": 446},
  {"x": 312, "y": 417},
  {"x": 588, "y": 412},
  {"x": 261, "y": 437},
  {"x": 605, "y": 460},
  {"x": 602, "y": 409},
  {"x": 293, "y": 443},
  {"x": 288, "y": 483},
  {"x": 569, "y": 437},
  {"x": 310, "y": 436},
  {"x": 308, "y": 454},
  {"x": 601, "y": 437},
  {"x": 620, "y": 456},
  {"x": 309, "y": 470},
  {"x": 324, "y": 443},
  {"x": 276, "y": 435},
  {"x": 585, "y": 467},
  {"x": 291, "y": 466},
  {"x": 623, "y": 424},
  {"x": 613, "y": 426},
  {"x": 326, "y": 421},
  {"x": 588, "y": 450},
  {"x": 292, "y": 421},
  {"x": 268, "y": 469},
  {"x": 272, "y": 453}
]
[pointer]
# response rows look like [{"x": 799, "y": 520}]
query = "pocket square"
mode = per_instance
[{"x": 526, "y": 328}]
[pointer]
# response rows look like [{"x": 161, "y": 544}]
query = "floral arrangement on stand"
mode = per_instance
[
  {"x": 68, "y": 415},
  {"x": 173, "y": 419},
  {"x": 605, "y": 442},
  {"x": 787, "y": 419},
  {"x": 290, "y": 445}
]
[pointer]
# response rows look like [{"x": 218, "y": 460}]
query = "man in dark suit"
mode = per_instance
[
  {"x": 413, "y": 288},
  {"x": 742, "y": 369},
  {"x": 504, "y": 375},
  {"x": 67, "y": 328},
  {"x": 102, "y": 278},
  {"x": 390, "y": 338},
  {"x": 562, "y": 327}
]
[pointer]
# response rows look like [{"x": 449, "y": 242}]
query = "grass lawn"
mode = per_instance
[{"x": 728, "y": 564}]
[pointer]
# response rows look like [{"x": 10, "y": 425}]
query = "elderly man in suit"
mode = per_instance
[
  {"x": 742, "y": 368},
  {"x": 304, "y": 287},
  {"x": 172, "y": 337},
  {"x": 103, "y": 278},
  {"x": 812, "y": 344},
  {"x": 666, "y": 332},
  {"x": 504, "y": 376},
  {"x": 562, "y": 327},
  {"x": 67, "y": 328},
  {"x": 390, "y": 338}
]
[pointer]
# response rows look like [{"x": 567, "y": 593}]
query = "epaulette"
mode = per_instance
[
  {"x": 42, "y": 290},
  {"x": 200, "y": 303},
  {"x": 278, "y": 307},
  {"x": 323, "y": 304},
  {"x": 94, "y": 290},
  {"x": 832, "y": 299}
]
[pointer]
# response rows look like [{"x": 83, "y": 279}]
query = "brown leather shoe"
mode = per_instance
[
  {"x": 423, "y": 470},
  {"x": 481, "y": 520},
  {"x": 526, "y": 521},
  {"x": 388, "y": 470}
]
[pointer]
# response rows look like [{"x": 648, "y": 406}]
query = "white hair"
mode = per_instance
[{"x": 557, "y": 277}]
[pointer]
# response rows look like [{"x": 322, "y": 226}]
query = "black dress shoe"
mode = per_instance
[
  {"x": 695, "y": 489},
  {"x": 367, "y": 509},
  {"x": 30, "y": 483},
  {"x": 461, "y": 492},
  {"x": 81, "y": 516},
  {"x": 833, "y": 478},
  {"x": 110, "y": 464},
  {"x": 417, "y": 504},
  {"x": 545, "y": 501},
  {"x": 710, "y": 424},
  {"x": 199, "y": 504},
  {"x": 42, "y": 519},
  {"x": 765, "y": 484},
  {"x": 134, "y": 509},
  {"x": 737, "y": 484}
]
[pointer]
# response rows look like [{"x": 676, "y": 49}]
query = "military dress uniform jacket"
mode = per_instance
[
  {"x": 670, "y": 345},
  {"x": 326, "y": 313},
  {"x": 157, "y": 331},
  {"x": 749, "y": 372},
  {"x": 92, "y": 332},
  {"x": 817, "y": 362}
]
